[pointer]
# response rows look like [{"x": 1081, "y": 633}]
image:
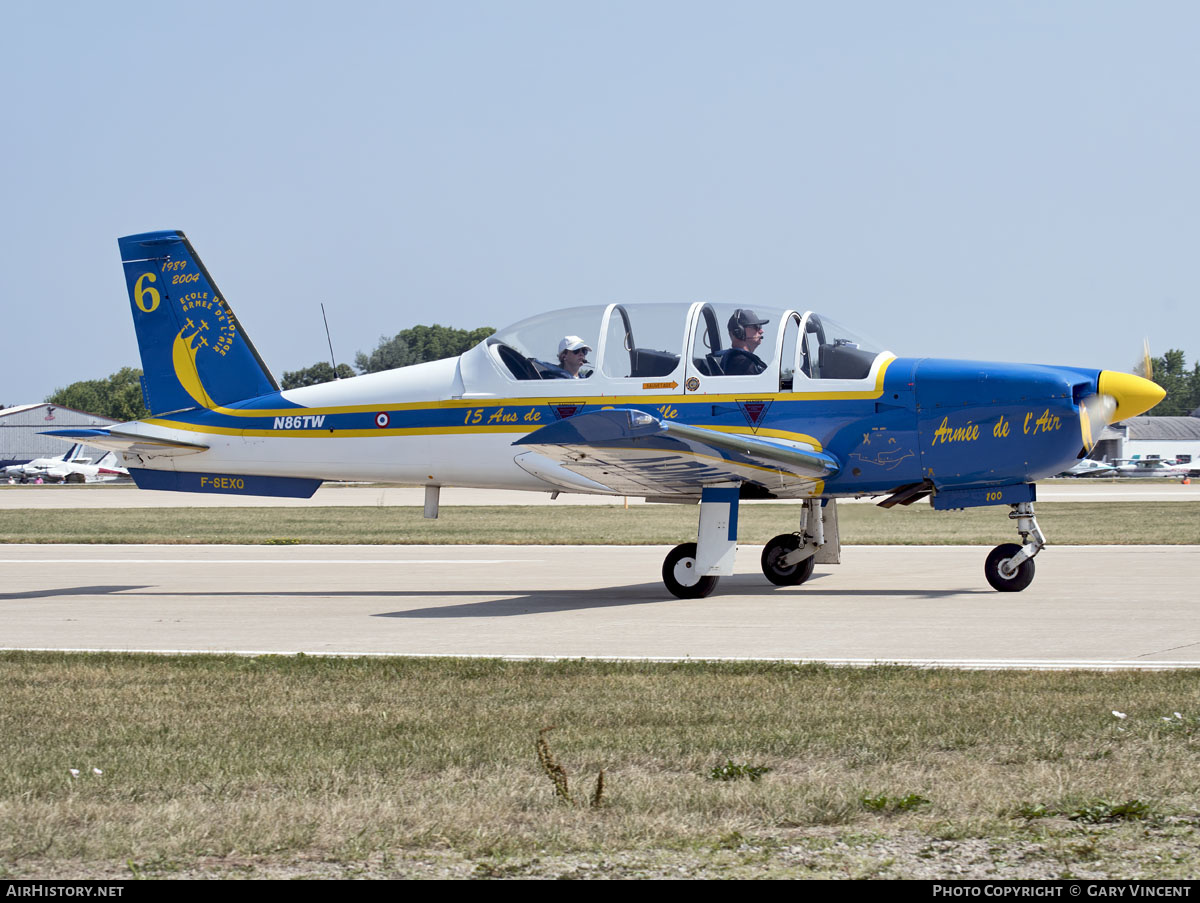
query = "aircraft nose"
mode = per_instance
[{"x": 1133, "y": 394}]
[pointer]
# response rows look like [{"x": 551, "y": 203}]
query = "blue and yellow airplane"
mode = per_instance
[{"x": 708, "y": 403}]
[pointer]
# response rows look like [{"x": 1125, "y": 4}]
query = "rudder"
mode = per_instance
[{"x": 193, "y": 350}]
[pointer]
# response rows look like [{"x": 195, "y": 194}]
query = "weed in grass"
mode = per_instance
[
  {"x": 554, "y": 771},
  {"x": 731, "y": 841},
  {"x": 1030, "y": 811},
  {"x": 558, "y": 774},
  {"x": 883, "y": 803},
  {"x": 1102, "y": 811},
  {"x": 733, "y": 771},
  {"x": 1176, "y": 724}
]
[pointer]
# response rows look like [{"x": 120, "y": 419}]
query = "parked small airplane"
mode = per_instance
[
  {"x": 706, "y": 402},
  {"x": 39, "y": 466},
  {"x": 1151, "y": 467},
  {"x": 68, "y": 468},
  {"x": 1089, "y": 467}
]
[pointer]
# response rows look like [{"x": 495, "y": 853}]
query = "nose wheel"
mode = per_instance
[
  {"x": 1009, "y": 567},
  {"x": 1001, "y": 573}
]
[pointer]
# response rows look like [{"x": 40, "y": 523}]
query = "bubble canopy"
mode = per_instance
[{"x": 684, "y": 344}]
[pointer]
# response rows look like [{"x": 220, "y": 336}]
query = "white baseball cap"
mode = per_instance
[{"x": 573, "y": 343}]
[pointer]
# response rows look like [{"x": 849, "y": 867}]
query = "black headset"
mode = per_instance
[{"x": 736, "y": 329}]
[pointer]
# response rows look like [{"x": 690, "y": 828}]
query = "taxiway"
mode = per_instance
[{"x": 1117, "y": 607}]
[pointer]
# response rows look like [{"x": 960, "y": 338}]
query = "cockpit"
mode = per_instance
[{"x": 697, "y": 348}]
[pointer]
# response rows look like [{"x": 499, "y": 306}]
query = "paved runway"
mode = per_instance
[{"x": 1130, "y": 606}]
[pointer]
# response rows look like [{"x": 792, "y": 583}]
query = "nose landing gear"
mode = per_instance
[{"x": 1009, "y": 567}]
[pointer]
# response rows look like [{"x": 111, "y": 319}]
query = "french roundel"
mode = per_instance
[{"x": 382, "y": 420}]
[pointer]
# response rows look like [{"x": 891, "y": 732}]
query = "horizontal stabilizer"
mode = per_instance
[
  {"x": 128, "y": 443},
  {"x": 635, "y": 453}
]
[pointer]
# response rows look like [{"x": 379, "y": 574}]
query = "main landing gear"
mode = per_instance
[
  {"x": 682, "y": 576},
  {"x": 788, "y": 559},
  {"x": 691, "y": 570},
  {"x": 1009, "y": 567},
  {"x": 775, "y": 557}
]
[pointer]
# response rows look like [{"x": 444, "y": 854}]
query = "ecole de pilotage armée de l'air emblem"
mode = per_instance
[{"x": 207, "y": 334}]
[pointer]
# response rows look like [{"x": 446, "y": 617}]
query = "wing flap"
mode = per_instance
[{"x": 635, "y": 453}]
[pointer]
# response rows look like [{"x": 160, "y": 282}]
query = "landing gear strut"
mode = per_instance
[
  {"x": 1009, "y": 567},
  {"x": 691, "y": 570}
]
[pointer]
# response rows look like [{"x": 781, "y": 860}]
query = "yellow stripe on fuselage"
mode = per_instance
[{"x": 600, "y": 401}]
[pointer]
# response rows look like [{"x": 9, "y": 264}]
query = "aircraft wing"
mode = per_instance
[
  {"x": 129, "y": 443},
  {"x": 630, "y": 452}
]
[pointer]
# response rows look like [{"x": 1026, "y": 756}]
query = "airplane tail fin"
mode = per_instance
[{"x": 194, "y": 352}]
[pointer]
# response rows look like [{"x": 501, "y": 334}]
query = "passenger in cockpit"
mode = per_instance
[
  {"x": 572, "y": 355},
  {"x": 745, "y": 335}
]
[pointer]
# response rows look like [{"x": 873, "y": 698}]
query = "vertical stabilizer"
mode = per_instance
[{"x": 194, "y": 353}]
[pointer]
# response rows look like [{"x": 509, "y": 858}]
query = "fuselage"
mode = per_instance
[{"x": 953, "y": 423}]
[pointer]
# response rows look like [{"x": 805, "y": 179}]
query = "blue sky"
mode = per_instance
[{"x": 1003, "y": 181}]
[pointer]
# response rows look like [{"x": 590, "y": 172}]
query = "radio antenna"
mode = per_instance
[{"x": 330, "y": 341}]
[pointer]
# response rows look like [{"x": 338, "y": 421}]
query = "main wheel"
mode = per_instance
[
  {"x": 785, "y": 575},
  {"x": 680, "y": 576},
  {"x": 1006, "y": 584}
]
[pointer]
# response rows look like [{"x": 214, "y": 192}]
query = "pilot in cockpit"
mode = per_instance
[{"x": 745, "y": 335}]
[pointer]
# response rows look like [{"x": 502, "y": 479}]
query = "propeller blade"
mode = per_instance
[{"x": 1095, "y": 413}]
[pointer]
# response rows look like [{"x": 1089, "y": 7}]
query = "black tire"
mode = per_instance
[
  {"x": 679, "y": 574},
  {"x": 1014, "y": 584},
  {"x": 74, "y": 478},
  {"x": 791, "y": 575}
]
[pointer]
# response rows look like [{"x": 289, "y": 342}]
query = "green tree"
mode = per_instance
[
  {"x": 419, "y": 344},
  {"x": 118, "y": 396},
  {"x": 1183, "y": 385},
  {"x": 319, "y": 372}
]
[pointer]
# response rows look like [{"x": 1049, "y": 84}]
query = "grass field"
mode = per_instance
[
  {"x": 1064, "y": 523},
  {"x": 430, "y": 768}
]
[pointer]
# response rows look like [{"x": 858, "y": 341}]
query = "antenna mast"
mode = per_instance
[{"x": 330, "y": 341}]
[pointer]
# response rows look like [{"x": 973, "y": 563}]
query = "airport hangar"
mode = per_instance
[
  {"x": 21, "y": 426},
  {"x": 1169, "y": 438}
]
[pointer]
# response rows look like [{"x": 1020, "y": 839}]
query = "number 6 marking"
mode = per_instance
[{"x": 139, "y": 293}]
